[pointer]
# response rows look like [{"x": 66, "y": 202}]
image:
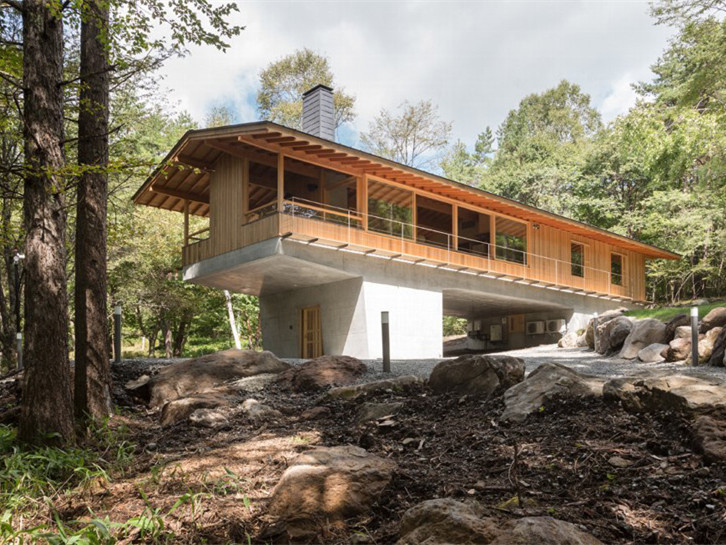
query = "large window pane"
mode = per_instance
[
  {"x": 616, "y": 269},
  {"x": 262, "y": 196},
  {"x": 433, "y": 222},
  {"x": 511, "y": 240},
  {"x": 474, "y": 232},
  {"x": 390, "y": 210},
  {"x": 577, "y": 259}
]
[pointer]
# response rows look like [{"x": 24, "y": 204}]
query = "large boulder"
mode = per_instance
[
  {"x": 476, "y": 375},
  {"x": 664, "y": 392},
  {"x": 179, "y": 410},
  {"x": 445, "y": 521},
  {"x": 653, "y": 353},
  {"x": 595, "y": 323},
  {"x": 322, "y": 372},
  {"x": 645, "y": 332},
  {"x": 325, "y": 486},
  {"x": 394, "y": 384},
  {"x": 718, "y": 356},
  {"x": 715, "y": 318},
  {"x": 546, "y": 383},
  {"x": 568, "y": 340},
  {"x": 682, "y": 332},
  {"x": 612, "y": 334},
  {"x": 682, "y": 320},
  {"x": 709, "y": 435},
  {"x": 197, "y": 375},
  {"x": 706, "y": 344}
]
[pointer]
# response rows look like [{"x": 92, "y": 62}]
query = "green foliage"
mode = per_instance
[
  {"x": 284, "y": 81},
  {"x": 665, "y": 313},
  {"x": 467, "y": 167},
  {"x": 415, "y": 136},
  {"x": 454, "y": 326}
]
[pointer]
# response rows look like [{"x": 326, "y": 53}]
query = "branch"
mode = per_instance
[
  {"x": 13, "y": 4},
  {"x": 10, "y": 79},
  {"x": 109, "y": 68}
]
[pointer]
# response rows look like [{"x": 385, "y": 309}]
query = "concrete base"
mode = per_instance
[{"x": 352, "y": 289}]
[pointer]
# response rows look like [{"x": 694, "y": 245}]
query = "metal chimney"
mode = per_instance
[{"x": 318, "y": 116}]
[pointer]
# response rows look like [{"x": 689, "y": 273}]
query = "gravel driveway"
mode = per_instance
[{"x": 579, "y": 359}]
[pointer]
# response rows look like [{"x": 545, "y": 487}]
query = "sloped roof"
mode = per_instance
[{"x": 185, "y": 172}]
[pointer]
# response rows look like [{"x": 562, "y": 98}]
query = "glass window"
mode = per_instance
[
  {"x": 511, "y": 240},
  {"x": 616, "y": 269},
  {"x": 474, "y": 232},
  {"x": 390, "y": 210},
  {"x": 433, "y": 222},
  {"x": 577, "y": 259},
  {"x": 262, "y": 197}
]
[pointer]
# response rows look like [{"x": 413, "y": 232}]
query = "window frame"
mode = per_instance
[
  {"x": 583, "y": 265},
  {"x": 622, "y": 270},
  {"x": 496, "y": 247}
]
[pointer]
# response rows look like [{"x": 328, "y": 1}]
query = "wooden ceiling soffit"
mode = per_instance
[
  {"x": 180, "y": 194},
  {"x": 187, "y": 161}
]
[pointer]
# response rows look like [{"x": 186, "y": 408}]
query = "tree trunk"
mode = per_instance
[
  {"x": 166, "y": 328},
  {"x": 47, "y": 404},
  {"x": 93, "y": 370},
  {"x": 232, "y": 323},
  {"x": 180, "y": 337}
]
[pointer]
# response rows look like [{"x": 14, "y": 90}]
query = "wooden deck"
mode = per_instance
[{"x": 351, "y": 236}]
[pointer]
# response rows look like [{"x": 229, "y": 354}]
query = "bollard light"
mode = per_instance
[
  {"x": 19, "y": 349},
  {"x": 385, "y": 336},
  {"x": 694, "y": 335}
]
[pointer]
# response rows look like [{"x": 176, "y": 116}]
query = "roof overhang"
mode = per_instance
[{"x": 183, "y": 176}]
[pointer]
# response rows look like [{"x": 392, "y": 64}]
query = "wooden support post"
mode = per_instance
[
  {"x": 245, "y": 189},
  {"x": 186, "y": 222},
  {"x": 363, "y": 201},
  {"x": 280, "y": 181},
  {"x": 455, "y": 225}
]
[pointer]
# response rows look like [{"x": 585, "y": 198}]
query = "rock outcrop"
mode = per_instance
[
  {"x": 324, "y": 487},
  {"x": 644, "y": 333},
  {"x": 197, "y": 375},
  {"x": 476, "y": 375},
  {"x": 449, "y": 522},
  {"x": 322, "y": 372},
  {"x": 543, "y": 385},
  {"x": 715, "y": 318}
]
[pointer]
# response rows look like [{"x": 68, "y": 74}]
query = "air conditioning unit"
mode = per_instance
[
  {"x": 555, "y": 326},
  {"x": 535, "y": 328},
  {"x": 495, "y": 332}
]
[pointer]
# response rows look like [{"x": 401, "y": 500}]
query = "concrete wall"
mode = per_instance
[{"x": 351, "y": 319}]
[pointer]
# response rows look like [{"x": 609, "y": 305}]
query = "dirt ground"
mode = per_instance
[{"x": 624, "y": 478}]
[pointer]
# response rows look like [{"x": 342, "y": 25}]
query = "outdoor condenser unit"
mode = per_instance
[
  {"x": 535, "y": 328},
  {"x": 555, "y": 326}
]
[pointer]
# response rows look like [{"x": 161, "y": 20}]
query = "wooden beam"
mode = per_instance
[
  {"x": 185, "y": 160},
  {"x": 179, "y": 194},
  {"x": 186, "y": 222}
]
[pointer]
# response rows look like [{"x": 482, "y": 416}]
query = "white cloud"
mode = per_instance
[{"x": 476, "y": 60}]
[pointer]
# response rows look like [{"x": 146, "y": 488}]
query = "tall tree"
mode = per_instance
[
  {"x": 467, "y": 167},
  {"x": 415, "y": 137},
  {"x": 92, "y": 366},
  {"x": 47, "y": 406},
  {"x": 284, "y": 81}
]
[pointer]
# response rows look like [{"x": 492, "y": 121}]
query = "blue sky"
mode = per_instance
[{"x": 474, "y": 60}]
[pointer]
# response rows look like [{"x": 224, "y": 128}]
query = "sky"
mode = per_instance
[{"x": 475, "y": 60}]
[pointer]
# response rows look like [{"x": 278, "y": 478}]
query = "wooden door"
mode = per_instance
[{"x": 311, "y": 333}]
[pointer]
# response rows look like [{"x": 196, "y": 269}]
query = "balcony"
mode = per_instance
[{"x": 339, "y": 229}]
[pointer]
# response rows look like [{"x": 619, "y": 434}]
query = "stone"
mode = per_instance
[
  {"x": 705, "y": 346},
  {"x": 602, "y": 319},
  {"x": 582, "y": 341},
  {"x": 199, "y": 374},
  {"x": 374, "y": 411},
  {"x": 178, "y": 410},
  {"x": 718, "y": 355},
  {"x": 446, "y": 521},
  {"x": 255, "y": 383},
  {"x": 140, "y": 387},
  {"x": 395, "y": 384},
  {"x": 678, "y": 349},
  {"x": 208, "y": 418},
  {"x": 653, "y": 353},
  {"x": 476, "y": 375},
  {"x": 666, "y": 392},
  {"x": 315, "y": 413},
  {"x": 543, "y": 531},
  {"x": 326, "y": 486},
  {"x": 258, "y": 411},
  {"x": 322, "y": 372},
  {"x": 612, "y": 334},
  {"x": 543, "y": 385},
  {"x": 683, "y": 332},
  {"x": 709, "y": 436},
  {"x": 568, "y": 340},
  {"x": 645, "y": 332},
  {"x": 682, "y": 320},
  {"x": 715, "y": 318}
]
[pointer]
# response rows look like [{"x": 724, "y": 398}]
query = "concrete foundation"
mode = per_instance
[{"x": 352, "y": 289}]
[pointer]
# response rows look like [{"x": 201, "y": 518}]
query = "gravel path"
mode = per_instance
[{"x": 579, "y": 359}]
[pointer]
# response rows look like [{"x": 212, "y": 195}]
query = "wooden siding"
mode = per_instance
[{"x": 548, "y": 258}]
